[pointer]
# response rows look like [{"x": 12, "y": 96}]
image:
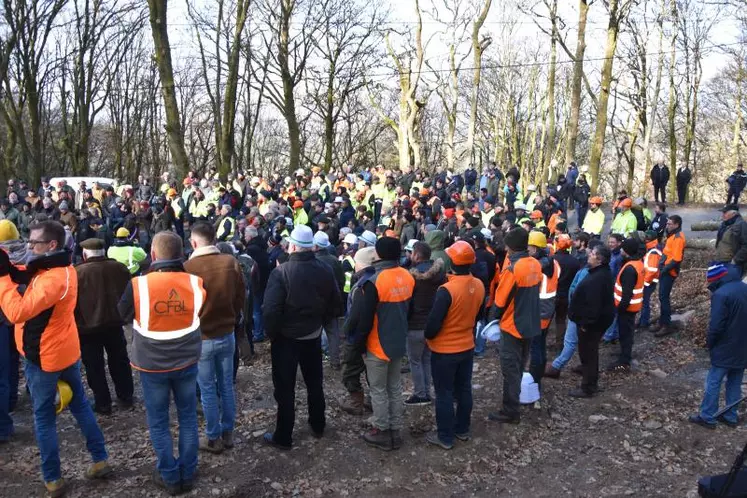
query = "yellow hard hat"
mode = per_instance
[
  {"x": 122, "y": 233},
  {"x": 63, "y": 397},
  {"x": 537, "y": 239}
]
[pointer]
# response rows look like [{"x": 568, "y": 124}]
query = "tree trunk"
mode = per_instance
[
  {"x": 609, "y": 56},
  {"x": 578, "y": 75},
  {"x": 166, "y": 72},
  {"x": 478, "y": 47},
  {"x": 736, "y": 141},
  {"x": 550, "y": 151},
  {"x": 655, "y": 102}
]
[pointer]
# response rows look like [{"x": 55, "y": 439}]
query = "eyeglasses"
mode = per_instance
[{"x": 32, "y": 243}]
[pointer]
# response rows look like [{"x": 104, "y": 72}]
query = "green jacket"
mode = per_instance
[
  {"x": 624, "y": 223},
  {"x": 435, "y": 241},
  {"x": 130, "y": 256}
]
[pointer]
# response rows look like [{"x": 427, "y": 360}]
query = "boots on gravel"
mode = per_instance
[
  {"x": 396, "y": 439},
  {"x": 379, "y": 439},
  {"x": 353, "y": 404},
  {"x": 367, "y": 404},
  {"x": 551, "y": 372}
]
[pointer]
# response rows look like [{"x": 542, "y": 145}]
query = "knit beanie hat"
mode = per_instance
[
  {"x": 630, "y": 246},
  {"x": 388, "y": 248},
  {"x": 302, "y": 236},
  {"x": 715, "y": 272},
  {"x": 517, "y": 239}
]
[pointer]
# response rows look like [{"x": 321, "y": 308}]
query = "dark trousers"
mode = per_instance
[
  {"x": 452, "y": 381},
  {"x": 733, "y": 196},
  {"x": 681, "y": 194},
  {"x": 561, "y": 319},
  {"x": 660, "y": 189},
  {"x": 352, "y": 367},
  {"x": 6, "y": 422},
  {"x": 666, "y": 282},
  {"x": 626, "y": 327},
  {"x": 588, "y": 352},
  {"x": 15, "y": 362},
  {"x": 513, "y": 356},
  {"x": 92, "y": 348},
  {"x": 538, "y": 356},
  {"x": 287, "y": 356}
]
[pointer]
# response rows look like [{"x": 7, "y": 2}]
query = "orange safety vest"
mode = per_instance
[
  {"x": 636, "y": 301},
  {"x": 394, "y": 285},
  {"x": 457, "y": 331},
  {"x": 651, "y": 266},
  {"x": 521, "y": 311},
  {"x": 548, "y": 290}
]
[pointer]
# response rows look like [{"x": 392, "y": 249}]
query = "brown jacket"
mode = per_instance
[
  {"x": 224, "y": 283},
  {"x": 101, "y": 283}
]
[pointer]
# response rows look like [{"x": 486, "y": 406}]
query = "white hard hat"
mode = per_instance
[
  {"x": 350, "y": 239},
  {"x": 531, "y": 188},
  {"x": 520, "y": 205},
  {"x": 530, "y": 392},
  {"x": 491, "y": 332},
  {"x": 487, "y": 233},
  {"x": 410, "y": 246}
]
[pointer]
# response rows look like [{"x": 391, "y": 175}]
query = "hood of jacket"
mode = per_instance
[
  {"x": 428, "y": 270},
  {"x": 435, "y": 240}
]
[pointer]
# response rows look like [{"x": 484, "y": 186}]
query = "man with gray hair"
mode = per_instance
[
  {"x": 302, "y": 295},
  {"x": 101, "y": 283},
  {"x": 731, "y": 241}
]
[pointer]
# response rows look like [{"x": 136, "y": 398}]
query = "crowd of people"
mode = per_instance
[{"x": 370, "y": 269}]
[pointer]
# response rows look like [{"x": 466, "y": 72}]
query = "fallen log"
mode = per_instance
[
  {"x": 701, "y": 244},
  {"x": 705, "y": 226}
]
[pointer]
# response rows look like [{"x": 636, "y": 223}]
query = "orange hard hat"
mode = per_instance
[
  {"x": 562, "y": 242},
  {"x": 536, "y": 214},
  {"x": 423, "y": 191},
  {"x": 596, "y": 200},
  {"x": 627, "y": 202},
  {"x": 171, "y": 192},
  {"x": 461, "y": 253},
  {"x": 187, "y": 181},
  {"x": 297, "y": 204},
  {"x": 390, "y": 233}
]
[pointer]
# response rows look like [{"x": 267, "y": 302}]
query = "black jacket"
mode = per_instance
[
  {"x": 593, "y": 304},
  {"x": 484, "y": 267},
  {"x": 569, "y": 266},
  {"x": 660, "y": 175},
  {"x": 301, "y": 296},
  {"x": 257, "y": 249},
  {"x": 429, "y": 275},
  {"x": 683, "y": 177}
]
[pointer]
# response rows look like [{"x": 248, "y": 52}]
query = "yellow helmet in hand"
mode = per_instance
[{"x": 63, "y": 397}]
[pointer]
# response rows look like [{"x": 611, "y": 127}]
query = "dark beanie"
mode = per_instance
[
  {"x": 517, "y": 239},
  {"x": 388, "y": 248},
  {"x": 630, "y": 246}
]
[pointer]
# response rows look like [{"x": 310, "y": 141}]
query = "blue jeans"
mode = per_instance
[
  {"x": 452, "y": 381},
  {"x": 644, "y": 320},
  {"x": 157, "y": 389},
  {"x": 6, "y": 422},
  {"x": 43, "y": 386},
  {"x": 666, "y": 282},
  {"x": 480, "y": 341},
  {"x": 419, "y": 355},
  {"x": 215, "y": 376},
  {"x": 259, "y": 323},
  {"x": 570, "y": 343},
  {"x": 612, "y": 333},
  {"x": 715, "y": 377},
  {"x": 538, "y": 356}
]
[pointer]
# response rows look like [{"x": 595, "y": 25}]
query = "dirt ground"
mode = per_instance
[{"x": 631, "y": 440}]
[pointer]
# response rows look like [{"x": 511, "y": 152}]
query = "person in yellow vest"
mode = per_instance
[
  {"x": 382, "y": 326},
  {"x": 594, "y": 219},
  {"x": 300, "y": 217},
  {"x": 225, "y": 226},
  {"x": 537, "y": 218},
  {"x": 628, "y": 301},
  {"x": 164, "y": 308},
  {"x": 450, "y": 334},
  {"x": 650, "y": 276},
  {"x": 126, "y": 252},
  {"x": 625, "y": 221}
]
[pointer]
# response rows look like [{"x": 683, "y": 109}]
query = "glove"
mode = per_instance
[{"x": 5, "y": 264}]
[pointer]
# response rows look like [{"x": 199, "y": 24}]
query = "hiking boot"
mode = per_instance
[
  {"x": 367, "y": 404},
  {"x": 463, "y": 437},
  {"x": 396, "y": 439},
  {"x": 721, "y": 419},
  {"x": 697, "y": 419},
  {"x": 418, "y": 401},
  {"x": 655, "y": 328},
  {"x": 379, "y": 439},
  {"x": 318, "y": 434},
  {"x": 125, "y": 404},
  {"x": 103, "y": 409},
  {"x": 227, "y": 439},
  {"x": 172, "y": 489},
  {"x": 665, "y": 331},
  {"x": 269, "y": 439},
  {"x": 432, "y": 438},
  {"x": 551, "y": 372},
  {"x": 353, "y": 404},
  {"x": 211, "y": 445},
  {"x": 57, "y": 488},
  {"x": 99, "y": 470},
  {"x": 503, "y": 418},
  {"x": 580, "y": 393},
  {"x": 578, "y": 370}
]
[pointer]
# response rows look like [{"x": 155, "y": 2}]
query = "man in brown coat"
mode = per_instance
[
  {"x": 101, "y": 283},
  {"x": 224, "y": 284}
]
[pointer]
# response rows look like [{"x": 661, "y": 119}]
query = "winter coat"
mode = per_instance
[
  {"x": 683, "y": 177},
  {"x": 569, "y": 266},
  {"x": 726, "y": 341},
  {"x": 737, "y": 180},
  {"x": 660, "y": 175},
  {"x": 428, "y": 275},
  {"x": 731, "y": 242},
  {"x": 659, "y": 224},
  {"x": 257, "y": 249},
  {"x": 435, "y": 240},
  {"x": 593, "y": 305},
  {"x": 101, "y": 283},
  {"x": 484, "y": 267}
]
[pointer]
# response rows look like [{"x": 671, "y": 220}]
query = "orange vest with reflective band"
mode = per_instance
[
  {"x": 457, "y": 331},
  {"x": 636, "y": 301},
  {"x": 388, "y": 337},
  {"x": 166, "y": 328},
  {"x": 651, "y": 265},
  {"x": 548, "y": 290},
  {"x": 522, "y": 311}
]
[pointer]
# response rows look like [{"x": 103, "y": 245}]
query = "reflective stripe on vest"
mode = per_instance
[
  {"x": 129, "y": 260},
  {"x": 142, "y": 323},
  {"x": 636, "y": 301},
  {"x": 544, "y": 292},
  {"x": 652, "y": 269},
  {"x": 348, "y": 281}
]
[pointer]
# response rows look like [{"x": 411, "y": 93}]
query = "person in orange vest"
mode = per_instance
[
  {"x": 382, "y": 326},
  {"x": 548, "y": 290},
  {"x": 650, "y": 277},
  {"x": 517, "y": 306},
  {"x": 669, "y": 269},
  {"x": 164, "y": 307},
  {"x": 449, "y": 333},
  {"x": 47, "y": 337},
  {"x": 628, "y": 301}
]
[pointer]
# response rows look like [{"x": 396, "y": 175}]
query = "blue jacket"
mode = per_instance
[
  {"x": 727, "y": 340},
  {"x": 616, "y": 262}
]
